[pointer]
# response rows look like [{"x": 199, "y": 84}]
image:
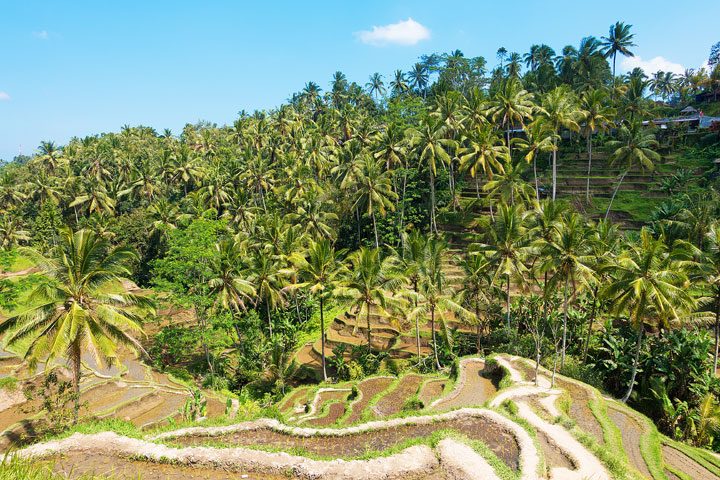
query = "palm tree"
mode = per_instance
[
  {"x": 376, "y": 86},
  {"x": 509, "y": 184},
  {"x": 370, "y": 283},
  {"x": 11, "y": 232},
  {"x": 711, "y": 273},
  {"x": 648, "y": 283},
  {"x": 419, "y": 77},
  {"x": 320, "y": 268},
  {"x": 507, "y": 247},
  {"x": 413, "y": 258},
  {"x": 597, "y": 116},
  {"x": 374, "y": 191},
  {"x": 232, "y": 289},
  {"x": 539, "y": 138},
  {"x": 478, "y": 292},
  {"x": 74, "y": 310},
  {"x": 619, "y": 40},
  {"x": 484, "y": 151},
  {"x": 635, "y": 149},
  {"x": 432, "y": 147},
  {"x": 437, "y": 297},
  {"x": 511, "y": 106},
  {"x": 569, "y": 258},
  {"x": 399, "y": 84},
  {"x": 266, "y": 276},
  {"x": 562, "y": 111}
]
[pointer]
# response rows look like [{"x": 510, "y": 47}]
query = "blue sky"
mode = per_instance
[{"x": 83, "y": 67}]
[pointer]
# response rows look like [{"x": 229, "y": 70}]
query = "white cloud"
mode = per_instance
[
  {"x": 4, "y": 96},
  {"x": 404, "y": 32},
  {"x": 42, "y": 34},
  {"x": 651, "y": 66}
]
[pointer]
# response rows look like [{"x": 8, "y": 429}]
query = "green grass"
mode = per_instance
[
  {"x": 27, "y": 469},
  {"x": 10, "y": 383},
  {"x": 701, "y": 456},
  {"x": 633, "y": 203}
]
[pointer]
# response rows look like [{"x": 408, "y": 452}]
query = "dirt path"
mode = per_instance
[
  {"x": 368, "y": 389},
  {"x": 631, "y": 432},
  {"x": 502, "y": 443},
  {"x": 679, "y": 461},
  {"x": 392, "y": 403},
  {"x": 472, "y": 390}
]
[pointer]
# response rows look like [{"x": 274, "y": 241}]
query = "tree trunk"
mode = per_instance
[
  {"x": 537, "y": 361},
  {"x": 477, "y": 187},
  {"x": 590, "y": 323},
  {"x": 565, "y": 315},
  {"x": 322, "y": 338},
  {"x": 432, "y": 327},
  {"x": 636, "y": 361},
  {"x": 537, "y": 187},
  {"x": 617, "y": 187},
  {"x": 589, "y": 147},
  {"x": 267, "y": 309},
  {"x": 76, "y": 371},
  {"x": 717, "y": 332},
  {"x": 433, "y": 224},
  {"x": 452, "y": 183},
  {"x": 368, "y": 328},
  {"x": 402, "y": 209},
  {"x": 377, "y": 241},
  {"x": 357, "y": 216},
  {"x": 508, "y": 303},
  {"x": 554, "y": 170},
  {"x": 479, "y": 325}
]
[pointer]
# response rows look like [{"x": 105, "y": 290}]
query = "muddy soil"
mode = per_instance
[
  {"x": 502, "y": 443},
  {"x": 392, "y": 403},
  {"x": 368, "y": 388},
  {"x": 76, "y": 464},
  {"x": 679, "y": 461},
  {"x": 431, "y": 391},
  {"x": 110, "y": 394},
  {"x": 473, "y": 393},
  {"x": 327, "y": 398},
  {"x": 335, "y": 411},
  {"x": 299, "y": 396},
  {"x": 631, "y": 432}
]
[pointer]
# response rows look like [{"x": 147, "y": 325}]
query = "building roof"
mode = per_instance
[{"x": 688, "y": 109}]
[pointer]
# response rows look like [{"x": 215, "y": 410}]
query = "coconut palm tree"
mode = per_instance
[
  {"x": 77, "y": 308},
  {"x": 507, "y": 248},
  {"x": 232, "y": 290},
  {"x": 509, "y": 185},
  {"x": 376, "y": 86},
  {"x": 635, "y": 148},
  {"x": 370, "y": 283},
  {"x": 266, "y": 276},
  {"x": 419, "y": 77},
  {"x": 539, "y": 138},
  {"x": 399, "y": 84},
  {"x": 568, "y": 253},
  {"x": 479, "y": 292},
  {"x": 12, "y": 232},
  {"x": 649, "y": 284},
  {"x": 320, "y": 268},
  {"x": 413, "y": 259},
  {"x": 560, "y": 107},
  {"x": 432, "y": 148},
  {"x": 437, "y": 297},
  {"x": 619, "y": 40},
  {"x": 484, "y": 151},
  {"x": 597, "y": 116},
  {"x": 511, "y": 106},
  {"x": 710, "y": 267},
  {"x": 374, "y": 192}
]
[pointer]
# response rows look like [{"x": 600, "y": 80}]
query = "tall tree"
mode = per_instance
[
  {"x": 619, "y": 40},
  {"x": 74, "y": 311},
  {"x": 649, "y": 284},
  {"x": 320, "y": 269},
  {"x": 597, "y": 116}
]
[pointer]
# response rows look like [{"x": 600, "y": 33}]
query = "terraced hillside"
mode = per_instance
[
  {"x": 395, "y": 335},
  {"x": 491, "y": 422},
  {"x": 130, "y": 391}
]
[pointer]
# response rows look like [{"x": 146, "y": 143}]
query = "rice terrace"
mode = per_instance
[{"x": 483, "y": 264}]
